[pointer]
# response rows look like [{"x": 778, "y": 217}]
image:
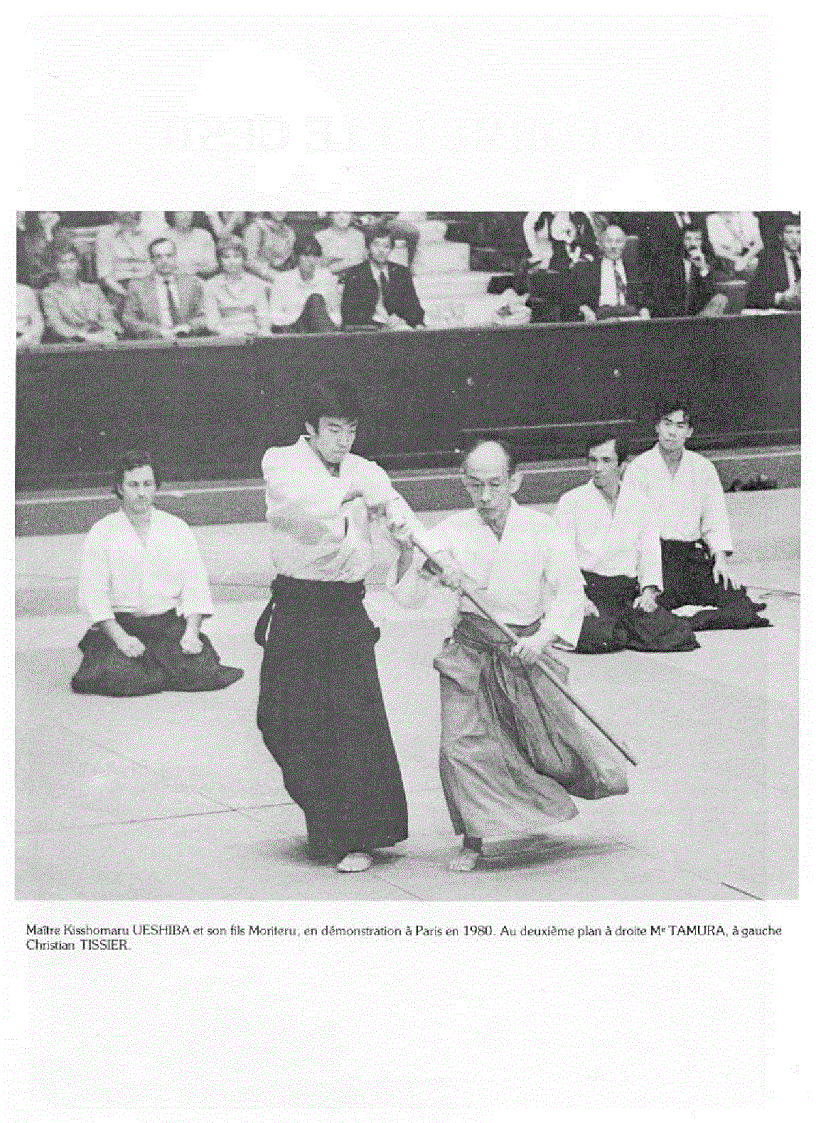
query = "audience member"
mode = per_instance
[
  {"x": 606, "y": 287},
  {"x": 378, "y": 292},
  {"x": 195, "y": 248},
  {"x": 343, "y": 245},
  {"x": 681, "y": 279},
  {"x": 223, "y": 223},
  {"x": 735, "y": 240},
  {"x": 402, "y": 225},
  {"x": 306, "y": 298},
  {"x": 76, "y": 311},
  {"x": 777, "y": 282},
  {"x": 165, "y": 304},
  {"x": 269, "y": 242},
  {"x": 43, "y": 230},
  {"x": 121, "y": 255},
  {"x": 236, "y": 302},
  {"x": 145, "y": 590},
  {"x": 30, "y": 324}
]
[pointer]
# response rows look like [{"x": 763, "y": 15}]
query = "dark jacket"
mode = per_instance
[
  {"x": 360, "y": 296},
  {"x": 770, "y": 278},
  {"x": 582, "y": 285}
]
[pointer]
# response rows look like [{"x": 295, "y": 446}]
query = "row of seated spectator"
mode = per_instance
[
  {"x": 675, "y": 263},
  {"x": 170, "y": 300}
]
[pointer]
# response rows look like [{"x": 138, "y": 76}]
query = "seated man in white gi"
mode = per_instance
[
  {"x": 144, "y": 587},
  {"x": 618, "y": 546},
  {"x": 513, "y": 751},
  {"x": 694, "y": 529}
]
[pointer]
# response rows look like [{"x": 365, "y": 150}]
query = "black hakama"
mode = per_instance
[
  {"x": 688, "y": 578},
  {"x": 619, "y": 624},
  {"x": 322, "y": 717},
  {"x": 163, "y": 666}
]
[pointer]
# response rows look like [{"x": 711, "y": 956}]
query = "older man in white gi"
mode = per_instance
[{"x": 513, "y": 751}]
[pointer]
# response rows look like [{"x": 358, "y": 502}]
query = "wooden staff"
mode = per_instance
[{"x": 621, "y": 746}]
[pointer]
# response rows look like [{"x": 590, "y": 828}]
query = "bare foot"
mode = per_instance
[
  {"x": 354, "y": 863},
  {"x": 464, "y": 861}
]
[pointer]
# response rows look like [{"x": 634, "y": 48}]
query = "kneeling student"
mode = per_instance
[
  {"x": 616, "y": 539},
  {"x": 145, "y": 589}
]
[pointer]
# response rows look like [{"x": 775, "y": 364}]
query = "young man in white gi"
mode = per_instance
[
  {"x": 694, "y": 528},
  {"x": 512, "y": 749},
  {"x": 616, "y": 539},
  {"x": 320, "y": 707},
  {"x": 144, "y": 587}
]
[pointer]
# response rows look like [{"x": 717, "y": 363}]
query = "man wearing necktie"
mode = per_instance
[
  {"x": 379, "y": 292},
  {"x": 607, "y": 288},
  {"x": 167, "y": 304},
  {"x": 777, "y": 282}
]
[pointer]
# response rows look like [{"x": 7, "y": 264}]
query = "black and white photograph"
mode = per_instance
[{"x": 396, "y": 577}]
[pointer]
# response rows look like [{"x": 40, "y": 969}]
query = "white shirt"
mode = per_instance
[
  {"x": 290, "y": 293},
  {"x": 690, "y": 505},
  {"x": 120, "y": 572},
  {"x": 530, "y": 572},
  {"x": 195, "y": 251},
  {"x": 342, "y": 248},
  {"x": 314, "y": 536},
  {"x": 620, "y": 540},
  {"x": 609, "y": 288},
  {"x": 731, "y": 233}
]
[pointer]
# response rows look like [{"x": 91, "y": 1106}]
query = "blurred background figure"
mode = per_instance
[
  {"x": 343, "y": 244},
  {"x": 236, "y": 303},
  {"x": 39, "y": 233},
  {"x": 121, "y": 255},
  {"x": 777, "y": 282},
  {"x": 29, "y": 318},
  {"x": 76, "y": 311},
  {"x": 269, "y": 242},
  {"x": 195, "y": 248},
  {"x": 223, "y": 223},
  {"x": 735, "y": 240}
]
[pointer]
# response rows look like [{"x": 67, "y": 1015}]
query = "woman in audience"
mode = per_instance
[
  {"x": 343, "y": 245},
  {"x": 195, "y": 248},
  {"x": 236, "y": 303},
  {"x": 29, "y": 317},
  {"x": 42, "y": 231},
  {"x": 74, "y": 310},
  {"x": 269, "y": 242}
]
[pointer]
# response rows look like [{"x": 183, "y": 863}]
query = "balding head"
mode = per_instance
[
  {"x": 613, "y": 242},
  {"x": 490, "y": 476}
]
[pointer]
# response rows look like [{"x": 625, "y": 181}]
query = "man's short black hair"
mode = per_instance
[
  {"x": 136, "y": 458},
  {"x": 620, "y": 442},
  {"x": 378, "y": 230},
  {"x": 306, "y": 244},
  {"x": 333, "y": 398},
  {"x": 673, "y": 404},
  {"x": 512, "y": 459}
]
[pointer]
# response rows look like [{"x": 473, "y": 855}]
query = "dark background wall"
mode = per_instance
[{"x": 208, "y": 410}]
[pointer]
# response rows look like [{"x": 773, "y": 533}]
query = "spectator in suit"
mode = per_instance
[
  {"x": 306, "y": 298},
  {"x": 74, "y": 310},
  {"x": 343, "y": 245},
  {"x": 378, "y": 292},
  {"x": 30, "y": 324},
  {"x": 269, "y": 242},
  {"x": 777, "y": 282},
  {"x": 681, "y": 279},
  {"x": 121, "y": 255},
  {"x": 195, "y": 248},
  {"x": 607, "y": 287},
  {"x": 166, "y": 304},
  {"x": 735, "y": 240}
]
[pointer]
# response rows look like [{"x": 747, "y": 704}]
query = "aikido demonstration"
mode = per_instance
[{"x": 517, "y": 743}]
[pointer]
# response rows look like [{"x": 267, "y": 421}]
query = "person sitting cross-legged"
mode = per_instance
[
  {"x": 306, "y": 298},
  {"x": 617, "y": 542},
  {"x": 145, "y": 590}
]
